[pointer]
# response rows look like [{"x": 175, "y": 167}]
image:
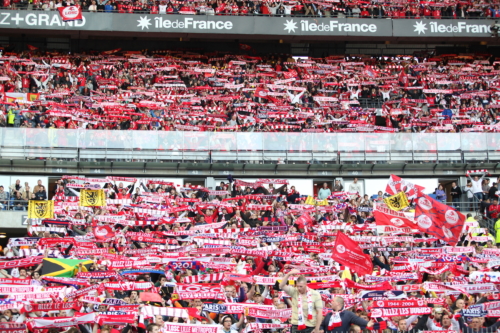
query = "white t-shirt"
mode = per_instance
[{"x": 162, "y": 9}]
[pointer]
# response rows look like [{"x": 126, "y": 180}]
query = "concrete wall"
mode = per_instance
[{"x": 13, "y": 220}]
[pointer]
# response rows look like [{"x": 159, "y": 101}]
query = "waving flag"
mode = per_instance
[
  {"x": 389, "y": 217},
  {"x": 397, "y": 184},
  {"x": 103, "y": 232},
  {"x": 397, "y": 201},
  {"x": 92, "y": 198},
  {"x": 438, "y": 219},
  {"x": 70, "y": 13},
  {"x": 261, "y": 93},
  {"x": 348, "y": 253}
]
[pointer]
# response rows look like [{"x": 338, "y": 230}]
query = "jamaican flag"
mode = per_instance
[{"x": 64, "y": 267}]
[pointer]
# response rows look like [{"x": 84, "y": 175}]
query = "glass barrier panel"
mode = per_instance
[
  {"x": 324, "y": 142},
  {"x": 299, "y": 142},
  {"x": 120, "y": 139},
  {"x": 168, "y": 140},
  {"x": 250, "y": 141},
  {"x": 473, "y": 141},
  {"x": 350, "y": 142},
  {"x": 145, "y": 139},
  {"x": 448, "y": 141},
  {"x": 493, "y": 141},
  {"x": 14, "y": 137},
  {"x": 39, "y": 137},
  {"x": 402, "y": 142},
  {"x": 275, "y": 141},
  {"x": 223, "y": 141},
  {"x": 424, "y": 142},
  {"x": 378, "y": 142},
  {"x": 92, "y": 139},
  {"x": 196, "y": 140},
  {"x": 64, "y": 139}
]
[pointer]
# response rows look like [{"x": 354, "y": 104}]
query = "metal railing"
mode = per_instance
[
  {"x": 247, "y": 147},
  {"x": 13, "y": 204}
]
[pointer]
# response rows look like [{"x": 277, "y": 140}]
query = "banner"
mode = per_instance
[
  {"x": 31, "y": 261},
  {"x": 90, "y": 198},
  {"x": 78, "y": 318},
  {"x": 400, "y": 303},
  {"x": 32, "y": 307},
  {"x": 397, "y": 312},
  {"x": 187, "y": 328},
  {"x": 348, "y": 253},
  {"x": 397, "y": 202},
  {"x": 438, "y": 219},
  {"x": 40, "y": 209}
]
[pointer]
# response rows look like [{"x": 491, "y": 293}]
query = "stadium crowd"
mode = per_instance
[
  {"x": 122, "y": 254},
  {"x": 187, "y": 91},
  {"x": 354, "y": 9}
]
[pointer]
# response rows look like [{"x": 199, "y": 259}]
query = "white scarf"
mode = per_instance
[
  {"x": 335, "y": 320},
  {"x": 300, "y": 309}
]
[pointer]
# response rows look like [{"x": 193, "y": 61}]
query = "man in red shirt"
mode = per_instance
[{"x": 494, "y": 209}]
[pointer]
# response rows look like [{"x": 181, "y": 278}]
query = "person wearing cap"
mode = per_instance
[
  {"x": 307, "y": 305},
  {"x": 227, "y": 325}
]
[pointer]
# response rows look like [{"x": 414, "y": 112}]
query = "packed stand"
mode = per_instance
[
  {"x": 183, "y": 91},
  {"x": 143, "y": 255},
  {"x": 339, "y": 9}
]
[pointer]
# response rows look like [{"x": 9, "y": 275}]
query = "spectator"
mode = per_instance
[
  {"x": 354, "y": 187},
  {"x": 17, "y": 187},
  {"x": 456, "y": 195},
  {"x": 17, "y": 202},
  {"x": 469, "y": 190},
  {"x": 324, "y": 192},
  {"x": 440, "y": 194},
  {"x": 338, "y": 186},
  {"x": 4, "y": 198},
  {"x": 38, "y": 185},
  {"x": 477, "y": 189},
  {"x": 41, "y": 194}
]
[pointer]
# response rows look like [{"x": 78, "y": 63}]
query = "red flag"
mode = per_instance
[
  {"x": 348, "y": 253},
  {"x": 70, "y": 13},
  {"x": 103, "y": 232},
  {"x": 291, "y": 73},
  {"x": 31, "y": 47},
  {"x": 403, "y": 78},
  {"x": 385, "y": 216},
  {"x": 438, "y": 219},
  {"x": 304, "y": 220},
  {"x": 261, "y": 93},
  {"x": 245, "y": 47},
  {"x": 397, "y": 184}
]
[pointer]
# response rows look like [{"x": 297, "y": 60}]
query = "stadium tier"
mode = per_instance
[
  {"x": 151, "y": 255},
  {"x": 185, "y": 91}
]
